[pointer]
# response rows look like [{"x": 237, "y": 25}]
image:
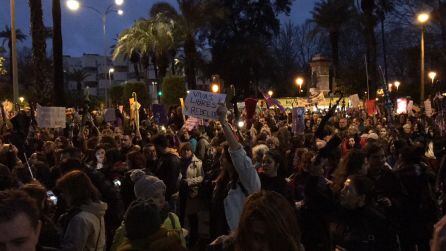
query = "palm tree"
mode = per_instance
[
  {"x": 153, "y": 36},
  {"x": 78, "y": 76},
  {"x": 38, "y": 42},
  {"x": 331, "y": 15},
  {"x": 6, "y": 36},
  {"x": 58, "y": 77},
  {"x": 193, "y": 17}
]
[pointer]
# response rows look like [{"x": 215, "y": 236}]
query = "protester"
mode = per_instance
[{"x": 83, "y": 224}]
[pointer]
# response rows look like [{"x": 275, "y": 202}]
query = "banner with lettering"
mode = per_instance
[{"x": 201, "y": 104}]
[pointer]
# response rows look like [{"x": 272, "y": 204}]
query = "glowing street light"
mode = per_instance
[
  {"x": 215, "y": 88},
  {"x": 119, "y": 2},
  {"x": 300, "y": 82},
  {"x": 73, "y": 5},
  {"x": 423, "y": 17},
  {"x": 432, "y": 75},
  {"x": 390, "y": 87},
  {"x": 21, "y": 99},
  {"x": 120, "y": 12},
  {"x": 397, "y": 84},
  {"x": 270, "y": 93}
]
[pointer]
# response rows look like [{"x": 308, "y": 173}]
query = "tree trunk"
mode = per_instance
[
  {"x": 10, "y": 59},
  {"x": 368, "y": 7},
  {"x": 163, "y": 64},
  {"x": 190, "y": 52},
  {"x": 59, "y": 87},
  {"x": 334, "y": 41},
  {"x": 38, "y": 44}
]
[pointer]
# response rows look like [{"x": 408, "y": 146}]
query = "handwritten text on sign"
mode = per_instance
[
  {"x": 50, "y": 117},
  {"x": 202, "y": 104}
]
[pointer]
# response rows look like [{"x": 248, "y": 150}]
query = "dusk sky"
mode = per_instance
[{"x": 82, "y": 30}]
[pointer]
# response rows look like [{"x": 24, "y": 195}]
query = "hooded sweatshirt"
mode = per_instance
[{"x": 86, "y": 230}]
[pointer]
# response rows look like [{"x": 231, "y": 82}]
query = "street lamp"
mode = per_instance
[
  {"x": 299, "y": 82},
  {"x": 75, "y": 5},
  {"x": 390, "y": 87},
  {"x": 270, "y": 93},
  {"x": 422, "y": 18},
  {"x": 110, "y": 71},
  {"x": 432, "y": 75},
  {"x": 397, "y": 84},
  {"x": 21, "y": 99},
  {"x": 215, "y": 88}
]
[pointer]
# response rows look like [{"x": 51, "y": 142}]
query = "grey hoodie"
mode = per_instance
[{"x": 86, "y": 230}]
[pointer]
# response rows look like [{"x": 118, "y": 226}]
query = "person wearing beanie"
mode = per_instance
[
  {"x": 144, "y": 230},
  {"x": 150, "y": 188}
]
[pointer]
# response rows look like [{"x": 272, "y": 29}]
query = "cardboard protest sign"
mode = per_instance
[
  {"x": 298, "y": 120},
  {"x": 110, "y": 115},
  {"x": 370, "y": 107},
  {"x": 201, "y": 104},
  {"x": 50, "y": 117},
  {"x": 191, "y": 123},
  {"x": 159, "y": 114},
  {"x": 354, "y": 100},
  {"x": 428, "y": 108},
  {"x": 401, "y": 106}
]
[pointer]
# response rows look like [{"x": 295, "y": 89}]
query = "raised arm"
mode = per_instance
[{"x": 227, "y": 130}]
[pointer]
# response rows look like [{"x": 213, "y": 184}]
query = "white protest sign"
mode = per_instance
[
  {"x": 50, "y": 117},
  {"x": 354, "y": 99},
  {"x": 428, "y": 108},
  {"x": 298, "y": 114},
  {"x": 202, "y": 104}
]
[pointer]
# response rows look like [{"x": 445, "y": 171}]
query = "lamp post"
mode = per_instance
[
  {"x": 215, "y": 88},
  {"x": 432, "y": 75},
  {"x": 110, "y": 71},
  {"x": 15, "y": 77},
  {"x": 422, "y": 19},
  {"x": 75, "y": 5},
  {"x": 300, "y": 82}
]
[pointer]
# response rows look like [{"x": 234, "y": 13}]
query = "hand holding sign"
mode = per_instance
[
  {"x": 222, "y": 111},
  {"x": 202, "y": 104}
]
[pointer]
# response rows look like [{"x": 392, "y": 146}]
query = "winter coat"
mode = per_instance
[
  {"x": 171, "y": 224},
  {"x": 249, "y": 183},
  {"x": 160, "y": 241},
  {"x": 86, "y": 229}
]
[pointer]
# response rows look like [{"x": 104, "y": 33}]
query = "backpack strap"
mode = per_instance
[{"x": 245, "y": 192}]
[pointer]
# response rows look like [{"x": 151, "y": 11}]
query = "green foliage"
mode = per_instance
[
  {"x": 141, "y": 91},
  {"x": 173, "y": 88},
  {"x": 117, "y": 94}
]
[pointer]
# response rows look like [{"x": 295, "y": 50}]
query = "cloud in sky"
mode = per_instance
[{"x": 82, "y": 30}]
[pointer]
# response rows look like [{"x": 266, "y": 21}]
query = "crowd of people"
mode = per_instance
[{"x": 347, "y": 181}]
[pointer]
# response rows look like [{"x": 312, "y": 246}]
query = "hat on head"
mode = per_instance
[
  {"x": 141, "y": 220},
  {"x": 145, "y": 185}
]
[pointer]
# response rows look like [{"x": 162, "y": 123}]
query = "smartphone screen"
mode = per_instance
[{"x": 52, "y": 197}]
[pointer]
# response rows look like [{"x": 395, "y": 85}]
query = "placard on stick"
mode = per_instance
[
  {"x": 202, "y": 104},
  {"x": 50, "y": 117}
]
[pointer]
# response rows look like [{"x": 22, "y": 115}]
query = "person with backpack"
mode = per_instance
[
  {"x": 237, "y": 180},
  {"x": 83, "y": 226}
]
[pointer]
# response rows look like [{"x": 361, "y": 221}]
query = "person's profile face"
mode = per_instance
[{"x": 18, "y": 234}]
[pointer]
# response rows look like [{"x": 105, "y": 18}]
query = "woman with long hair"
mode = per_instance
[
  {"x": 237, "y": 180},
  {"x": 83, "y": 224}
]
